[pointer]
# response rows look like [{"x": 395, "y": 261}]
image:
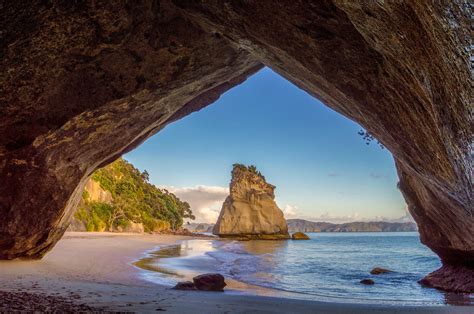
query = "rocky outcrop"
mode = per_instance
[
  {"x": 250, "y": 210},
  {"x": 92, "y": 192},
  {"x": 97, "y": 194},
  {"x": 379, "y": 270},
  {"x": 299, "y": 236},
  {"x": 84, "y": 83},
  {"x": 209, "y": 282},
  {"x": 367, "y": 281},
  {"x": 185, "y": 285},
  {"x": 455, "y": 278}
]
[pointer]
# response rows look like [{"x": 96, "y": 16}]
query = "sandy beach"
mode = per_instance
[{"x": 95, "y": 269}]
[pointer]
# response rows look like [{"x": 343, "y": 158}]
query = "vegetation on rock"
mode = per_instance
[
  {"x": 134, "y": 200},
  {"x": 251, "y": 168}
]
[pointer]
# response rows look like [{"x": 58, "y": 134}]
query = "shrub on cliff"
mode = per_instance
[
  {"x": 134, "y": 199},
  {"x": 251, "y": 168}
]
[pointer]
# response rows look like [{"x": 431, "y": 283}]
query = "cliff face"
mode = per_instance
[
  {"x": 250, "y": 209},
  {"x": 79, "y": 74},
  {"x": 94, "y": 193},
  {"x": 97, "y": 194},
  {"x": 119, "y": 198}
]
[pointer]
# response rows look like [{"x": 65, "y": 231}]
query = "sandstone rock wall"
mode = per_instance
[
  {"x": 250, "y": 209},
  {"x": 96, "y": 193}
]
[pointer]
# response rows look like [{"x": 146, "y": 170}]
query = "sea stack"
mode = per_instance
[{"x": 250, "y": 210}]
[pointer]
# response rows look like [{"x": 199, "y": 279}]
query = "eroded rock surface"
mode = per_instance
[
  {"x": 209, "y": 282},
  {"x": 84, "y": 83},
  {"x": 401, "y": 69},
  {"x": 250, "y": 210},
  {"x": 455, "y": 278}
]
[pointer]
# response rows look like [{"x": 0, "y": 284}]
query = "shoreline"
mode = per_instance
[
  {"x": 162, "y": 265},
  {"x": 96, "y": 269}
]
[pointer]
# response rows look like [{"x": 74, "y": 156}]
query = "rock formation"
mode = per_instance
[
  {"x": 209, "y": 282},
  {"x": 84, "y": 83},
  {"x": 299, "y": 236},
  {"x": 96, "y": 193},
  {"x": 379, "y": 270},
  {"x": 250, "y": 210},
  {"x": 367, "y": 282},
  {"x": 185, "y": 285}
]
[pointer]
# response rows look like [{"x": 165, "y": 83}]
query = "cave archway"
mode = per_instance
[
  {"x": 320, "y": 165},
  {"x": 84, "y": 84}
]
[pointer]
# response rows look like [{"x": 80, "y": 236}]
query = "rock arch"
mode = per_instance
[{"x": 84, "y": 83}]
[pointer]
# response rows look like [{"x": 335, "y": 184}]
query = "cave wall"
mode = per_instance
[
  {"x": 83, "y": 85},
  {"x": 398, "y": 68},
  {"x": 84, "y": 82}
]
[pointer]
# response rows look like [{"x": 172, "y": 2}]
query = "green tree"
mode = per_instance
[{"x": 135, "y": 199}]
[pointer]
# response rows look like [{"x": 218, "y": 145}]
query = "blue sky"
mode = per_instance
[{"x": 322, "y": 168}]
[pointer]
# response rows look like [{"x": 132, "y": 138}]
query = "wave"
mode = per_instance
[{"x": 238, "y": 263}]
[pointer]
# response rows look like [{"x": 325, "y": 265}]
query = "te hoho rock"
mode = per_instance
[
  {"x": 82, "y": 83},
  {"x": 250, "y": 210}
]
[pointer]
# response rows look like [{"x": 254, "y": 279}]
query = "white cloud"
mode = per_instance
[
  {"x": 290, "y": 211},
  {"x": 206, "y": 201},
  {"x": 354, "y": 216},
  {"x": 327, "y": 217}
]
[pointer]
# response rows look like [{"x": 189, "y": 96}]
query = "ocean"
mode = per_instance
[{"x": 328, "y": 267}]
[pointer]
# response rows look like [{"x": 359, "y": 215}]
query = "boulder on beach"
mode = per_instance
[
  {"x": 367, "y": 282},
  {"x": 209, "y": 282},
  {"x": 185, "y": 285},
  {"x": 299, "y": 236},
  {"x": 250, "y": 210},
  {"x": 379, "y": 270}
]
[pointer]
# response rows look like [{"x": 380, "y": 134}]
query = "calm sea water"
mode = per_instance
[{"x": 329, "y": 266}]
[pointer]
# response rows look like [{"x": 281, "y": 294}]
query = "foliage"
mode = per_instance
[
  {"x": 251, "y": 168},
  {"x": 134, "y": 200},
  {"x": 368, "y": 138}
]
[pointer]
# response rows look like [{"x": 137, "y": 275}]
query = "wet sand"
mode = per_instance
[{"x": 95, "y": 269}]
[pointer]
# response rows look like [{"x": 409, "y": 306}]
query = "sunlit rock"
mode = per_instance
[
  {"x": 250, "y": 210},
  {"x": 299, "y": 236}
]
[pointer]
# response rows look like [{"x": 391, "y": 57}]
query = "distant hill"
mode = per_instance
[
  {"x": 295, "y": 225},
  {"x": 302, "y": 225}
]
